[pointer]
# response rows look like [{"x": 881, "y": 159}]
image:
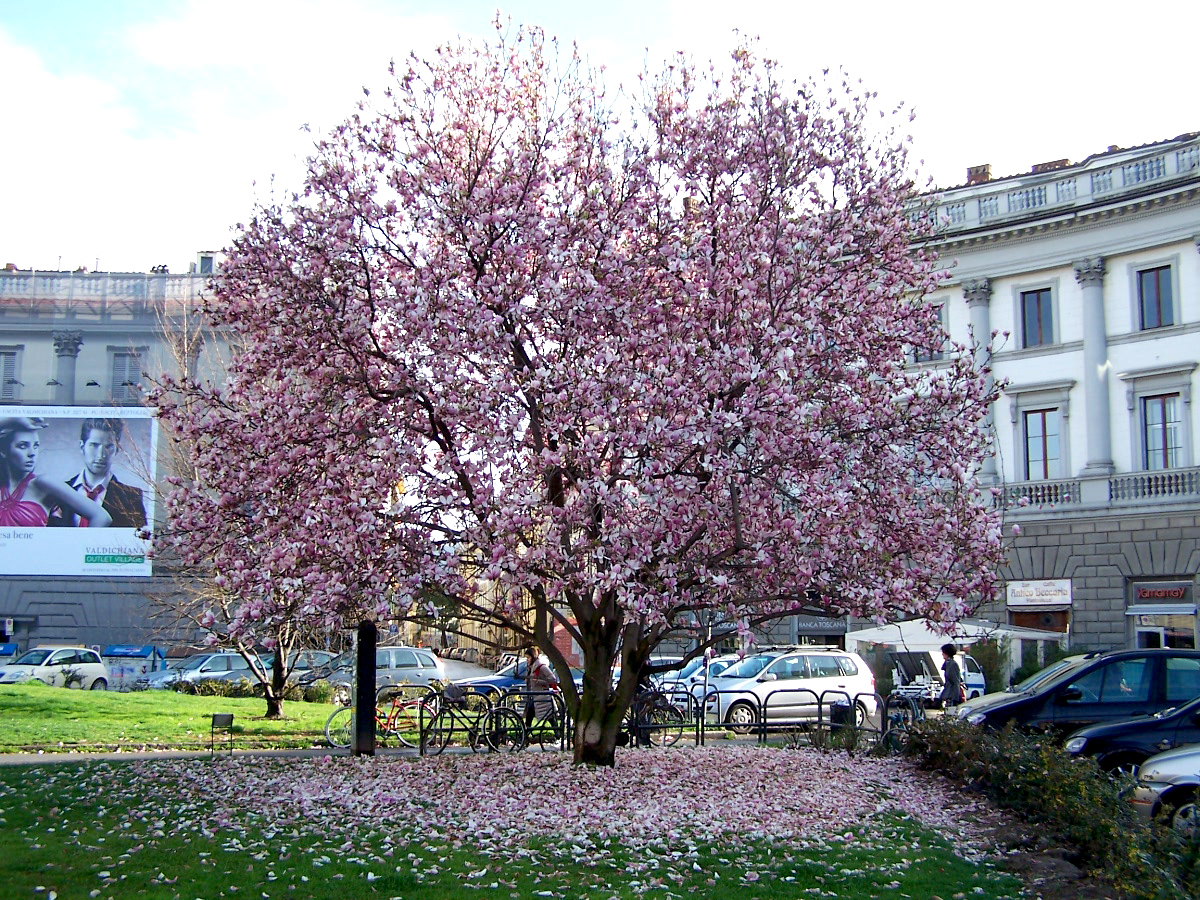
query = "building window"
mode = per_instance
[
  {"x": 1154, "y": 298},
  {"x": 1042, "y": 445},
  {"x": 1161, "y": 430},
  {"x": 126, "y": 377},
  {"x": 1037, "y": 318},
  {"x": 933, "y": 354},
  {"x": 10, "y": 382}
]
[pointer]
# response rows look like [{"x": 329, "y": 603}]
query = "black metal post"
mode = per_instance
[{"x": 364, "y": 690}]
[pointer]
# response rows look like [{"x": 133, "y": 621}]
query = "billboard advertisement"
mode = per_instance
[{"x": 76, "y": 490}]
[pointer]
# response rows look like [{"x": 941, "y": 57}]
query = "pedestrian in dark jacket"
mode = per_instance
[{"x": 952, "y": 683}]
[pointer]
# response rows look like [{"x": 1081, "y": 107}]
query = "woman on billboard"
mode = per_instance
[{"x": 26, "y": 498}]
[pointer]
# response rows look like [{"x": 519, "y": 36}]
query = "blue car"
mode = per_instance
[{"x": 508, "y": 677}]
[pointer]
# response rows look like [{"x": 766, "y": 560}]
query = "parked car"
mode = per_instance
[
  {"x": 198, "y": 667},
  {"x": 1102, "y": 687},
  {"x": 1050, "y": 671},
  {"x": 343, "y": 662},
  {"x": 667, "y": 671},
  {"x": 700, "y": 672},
  {"x": 917, "y": 674},
  {"x": 508, "y": 677},
  {"x": 791, "y": 686},
  {"x": 72, "y": 667},
  {"x": 1123, "y": 746},
  {"x": 302, "y": 662},
  {"x": 393, "y": 665},
  {"x": 1167, "y": 786}
]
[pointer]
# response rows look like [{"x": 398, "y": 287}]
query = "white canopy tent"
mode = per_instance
[{"x": 917, "y": 635}]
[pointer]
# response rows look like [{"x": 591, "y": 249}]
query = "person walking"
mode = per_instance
[
  {"x": 540, "y": 681},
  {"x": 952, "y": 683}
]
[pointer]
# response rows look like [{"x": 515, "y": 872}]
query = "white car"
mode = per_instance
[
  {"x": 1168, "y": 785},
  {"x": 799, "y": 684},
  {"x": 72, "y": 667},
  {"x": 700, "y": 674}
]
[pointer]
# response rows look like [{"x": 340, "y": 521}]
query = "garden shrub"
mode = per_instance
[
  {"x": 992, "y": 656},
  {"x": 210, "y": 687},
  {"x": 1069, "y": 798},
  {"x": 318, "y": 692}
]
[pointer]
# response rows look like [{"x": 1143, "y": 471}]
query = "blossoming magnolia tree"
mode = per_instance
[
  {"x": 627, "y": 369},
  {"x": 239, "y": 509}
]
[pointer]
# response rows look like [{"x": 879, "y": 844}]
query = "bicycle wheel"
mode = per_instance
[
  {"x": 437, "y": 733},
  {"x": 544, "y": 731},
  {"x": 404, "y": 722},
  {"x": 502, "y": 729},
  {"x": 339, "y": 727},
  {"x": 867, "y": 737},
  {"x": 666, "y": 725},
  {"x": 895, "y": 740}
]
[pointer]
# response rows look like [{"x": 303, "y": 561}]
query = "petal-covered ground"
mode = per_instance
[{"x": 502, "y": 798}]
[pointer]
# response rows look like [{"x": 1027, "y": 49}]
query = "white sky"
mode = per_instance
[{"x": 139, "y": 132}]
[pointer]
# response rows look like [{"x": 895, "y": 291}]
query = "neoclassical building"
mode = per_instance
[
  {"x": 76, "y": 347},
  {"x": 1088, "y": 275}
]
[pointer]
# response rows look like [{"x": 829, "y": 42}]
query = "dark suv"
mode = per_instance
[{"x": 1100, "y": 687}]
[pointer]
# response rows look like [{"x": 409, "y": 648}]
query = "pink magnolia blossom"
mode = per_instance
[{"x": 589, "y": 370}]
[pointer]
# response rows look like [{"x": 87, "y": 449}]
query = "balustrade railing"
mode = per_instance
[
  {"x": 1102, "y": 182},
  {"x": 1128, "y": 489},
  {"x": 1156, "y": 485},
  {"x": 985, "y": 203},
  {"x": 98, "y": 295},
  {"x": 1039, "y": 493},
  {"x": 1144, "y": 170},
  {"x": 1028, "y": 198}
]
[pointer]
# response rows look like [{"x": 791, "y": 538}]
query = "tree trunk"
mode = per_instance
[
  {"x": 597, "y": 728},
  {"x": 274, "y": 690}
]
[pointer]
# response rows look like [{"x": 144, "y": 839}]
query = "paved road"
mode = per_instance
[{"x": 456, "y": 670}]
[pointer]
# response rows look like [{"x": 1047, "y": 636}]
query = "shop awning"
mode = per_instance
[{"x": 1161, "y": 609}]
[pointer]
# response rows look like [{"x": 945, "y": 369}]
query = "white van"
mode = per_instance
[{"x": 918, "y": 674}]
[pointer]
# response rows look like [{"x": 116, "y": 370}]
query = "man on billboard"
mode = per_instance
[{"x": 100, "y": 442}]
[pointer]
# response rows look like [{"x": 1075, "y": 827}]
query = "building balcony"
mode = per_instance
[
  {"x": 1128, "y": 492},
  {"x": 1106, "y": 177},
  {"x": 29, "y": 296}
]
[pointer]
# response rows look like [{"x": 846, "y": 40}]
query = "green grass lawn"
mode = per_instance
[
  {"x": 684, "y": 822},
  {"x": 121, "y": 830},
  {"x": 36, "y": 717}
]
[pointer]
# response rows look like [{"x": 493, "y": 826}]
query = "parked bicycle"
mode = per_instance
[
  {"x": 901, "y": 713},
  {"x": 467, "y": 719},
  {"x": 548, "y": 729},
  {"x": 653, "y": 720},
  {"x": 397, "y": 717}
]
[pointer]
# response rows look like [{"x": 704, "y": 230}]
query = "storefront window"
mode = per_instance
[
  {"x": 1166, "y": 631},
  {"x": 1162, "y": 614}
]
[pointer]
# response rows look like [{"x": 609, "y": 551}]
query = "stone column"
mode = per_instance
[
  {"x": 1090, "y": 275},
  {"x": 66, "y": 348},
  {"x": 978, "y": 293}
]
